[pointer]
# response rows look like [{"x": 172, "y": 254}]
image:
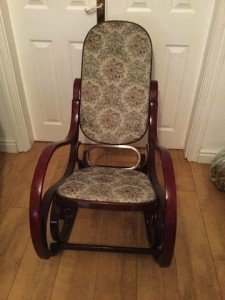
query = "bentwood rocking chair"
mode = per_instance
[{"x": 114, "y": 103}]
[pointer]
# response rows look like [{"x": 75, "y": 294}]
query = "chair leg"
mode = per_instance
[
  {"x": 61, "y": 222},
  {"x": 150, "y": 223},
  {"x": 160, "y": 237},
  {"x": 165, "y": 239}
]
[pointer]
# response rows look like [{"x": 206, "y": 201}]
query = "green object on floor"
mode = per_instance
[{"x": 218, "y": 170}]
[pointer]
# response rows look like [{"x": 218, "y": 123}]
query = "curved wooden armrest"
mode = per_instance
[
  {"x": 72, "y": 136},
  {"x": 38, "y": 221},
  {"x": 42, "y": 165},
  {"x": 168, "y": 173},
  {"x": 169, "y": 191},
  {"x": 167, "y": 197}
]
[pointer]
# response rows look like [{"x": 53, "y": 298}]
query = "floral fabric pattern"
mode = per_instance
[
  {"x": 218, "y": 170},
  {"x": 108, "y": 185},
  {"x": 116, "y": 73}
]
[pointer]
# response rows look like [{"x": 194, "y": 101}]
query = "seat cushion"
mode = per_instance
[{"x": 115, "y": 185}]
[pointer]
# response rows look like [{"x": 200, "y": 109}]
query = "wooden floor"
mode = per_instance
[{"x": 197, "y": 271}]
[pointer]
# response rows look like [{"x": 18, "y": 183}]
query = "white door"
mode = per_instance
[
  {"x": 49, "y": 36},
  {"x": 178, "y": 29}
]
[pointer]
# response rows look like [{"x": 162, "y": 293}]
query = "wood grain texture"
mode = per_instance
[
  {"x": 212, "y": 203},
  {"x": 116, "y": 276},
  {"x": 154, "y": 282},
  {"x": 14, "y": 236},
  {"x": 35, "y": 277},
  {"x": 197, "y": 270},
  {"x": 195, "y": 267},
  {"x": 77, "y": 271},
  {"x": 183, "y": 174}
]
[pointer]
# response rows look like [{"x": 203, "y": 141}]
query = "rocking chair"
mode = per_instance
[{"x": 114, "y": 103}]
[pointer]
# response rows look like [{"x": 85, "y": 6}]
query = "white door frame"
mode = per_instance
[
  {"x": 15, "y": 98},
  {"x": 201, "y": 108},
  {"x": 206, "y": 88}
]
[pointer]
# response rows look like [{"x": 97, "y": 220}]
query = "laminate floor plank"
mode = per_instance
[
  {"x": 36, "y": 277},
  {"x": 153, "y": 282},
  {"x": 183, "y": 173},
  {"x": 9, "y": 191},
  {"x": 198, "y": 267},
  {"x": 116, "y": 276},
  {"x": 14, "y": 237},
  {"x": 13, "y": 176},
  {"x": 77, "y": 270},
  {"x": 24, "y": 188},
  {"x": 197, "y": 276},
  {"x": 212, "y": 203}
]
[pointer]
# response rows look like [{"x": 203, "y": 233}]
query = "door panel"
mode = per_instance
[
  {"x": 178, "y": 29},
  {"x": 49, "y": 36}
]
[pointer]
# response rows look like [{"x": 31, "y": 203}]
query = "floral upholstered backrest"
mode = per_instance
[{"x": 116, "y": 71}]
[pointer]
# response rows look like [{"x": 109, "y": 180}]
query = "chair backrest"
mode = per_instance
[{"x": 115, "y": 88}]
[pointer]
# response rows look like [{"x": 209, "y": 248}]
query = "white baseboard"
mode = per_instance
[
  {"x": 206, "y": 155},
  {"x": 8, "y": 145}
]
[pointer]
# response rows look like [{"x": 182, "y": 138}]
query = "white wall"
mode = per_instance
[
  {"x": 214, "y": 137},
  {"x": 215, "y": 132},
  {"x": 7, "y": 140},
  {"x": 206, "y": 135},
  {"x": 15, "y": 128}
]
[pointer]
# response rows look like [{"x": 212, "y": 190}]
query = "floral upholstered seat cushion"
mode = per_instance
[
  {"x": 108, "y": 185},
  {"x": 116, "y": 71}
]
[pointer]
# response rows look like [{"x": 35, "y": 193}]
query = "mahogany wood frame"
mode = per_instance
[
  {"x": 100, "y": 12},
  {"x": 160, "y": 215}
]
